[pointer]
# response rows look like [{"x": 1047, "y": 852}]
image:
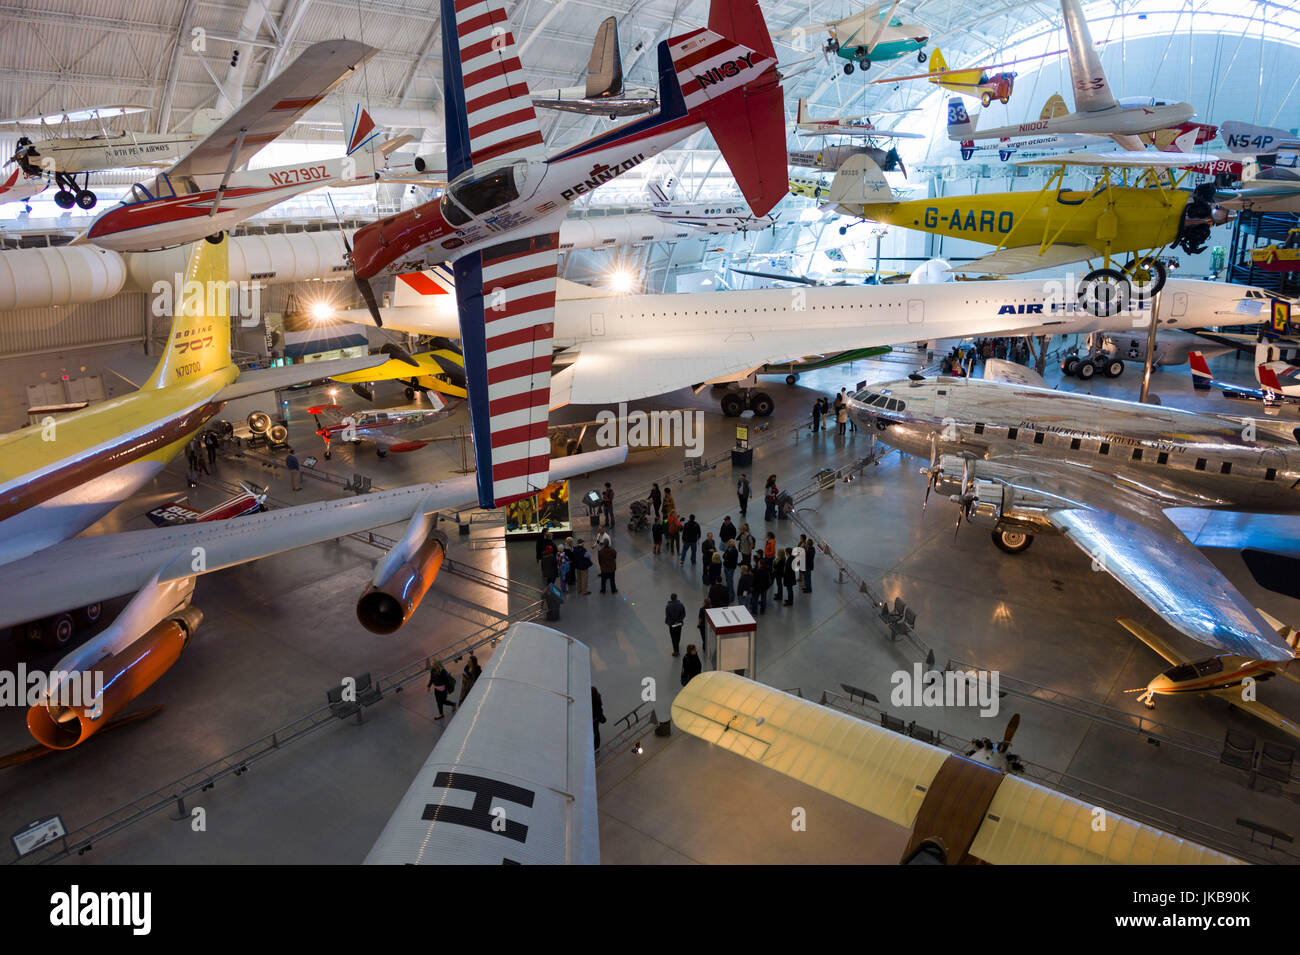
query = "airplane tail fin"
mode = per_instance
[
  {"x": 1289, "y": 634},
  {"x": 605, "y": 68},
  {"x": 859, "y": 181},
  {"x": 663, "y": 190},
  {"x": 1201, "y": 376},
  {"x": 1055, "y": 106},
  {"x": 801, "y": 112},
  {"x": 960, "y": 126},
  {"x": 361, "y": 129},
  {"x": 725, "y": 76},
  {"x": 937, "y": 64},
  {"x": 199, "y": 343},
  {"x": 1267, "y": 376},
  {"x": 1249, "y": 138}
]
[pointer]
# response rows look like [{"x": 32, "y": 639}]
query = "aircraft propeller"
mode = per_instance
[
  {"x": 363, "y": 285},
  {"x": 932, "y": 472},
  {"x": 965, "y": 498}
]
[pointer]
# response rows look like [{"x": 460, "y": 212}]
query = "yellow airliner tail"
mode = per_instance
[
  {"x": 199, "y": 343},
  {"x": 1054, "y": 107}
]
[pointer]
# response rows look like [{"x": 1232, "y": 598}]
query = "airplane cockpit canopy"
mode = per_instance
[
  {"x": 478, "y": 191},
  {"x": 162, "y": 187}
]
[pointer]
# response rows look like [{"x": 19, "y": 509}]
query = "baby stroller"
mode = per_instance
[{"x": 640, "y": 516}]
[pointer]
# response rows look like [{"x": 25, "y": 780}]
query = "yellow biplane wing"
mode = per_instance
[
  {"x": 980, "y": 813},
  {"x": 1027, "y": 258},
  {"x": 441, "y": 370}
]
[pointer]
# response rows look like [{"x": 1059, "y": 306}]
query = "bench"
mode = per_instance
[
  {"x": 901, "y": 628},
  {"x": 366, "y": 692}
]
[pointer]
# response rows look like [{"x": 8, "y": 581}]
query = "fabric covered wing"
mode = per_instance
[
  {"x": 520, "y": 756},
  {"x": 1027, "y": 258},
  {"x": 1091, "y": 89},
  {"x": 83, "y": 570},
  {"x": 316, "y": 72},
  {"x": 506, "y": 297},
  {"x": 489, "y": 113},
  {"x": 1146, "y": 553}
]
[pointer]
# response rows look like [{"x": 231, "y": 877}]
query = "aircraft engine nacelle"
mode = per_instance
[
  {"x": 72, "y": 715},
  {"x": 985, "y": 504},
  {"x": 398, "y": 587}
]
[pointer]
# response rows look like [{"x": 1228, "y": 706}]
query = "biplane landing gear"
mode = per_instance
[
  {"x": 985, "y": 99},
  {"x": 1104, "y": 292},
  {"x": 86, "y": 199},
  {"x": 920, "y": 56},
  {"x": 1146, "y": 277},
  {"x": 64, "y": 199}
]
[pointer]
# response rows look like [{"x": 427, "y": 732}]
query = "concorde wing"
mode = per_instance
[
  {"x": 84, "y": 570},
  {"x": 1027, "y": 258},
  {"x": 916, "y": 785},
  {"x": 1125, "y": 532},
  {"x": 279, "y": 104},
  {"x": 512, "y": 780}
]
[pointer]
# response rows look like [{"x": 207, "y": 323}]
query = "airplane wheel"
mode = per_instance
[
  {"x": 1085, "y": 370},
  {"x": 732, "y": 404},
  {"x": 817, "y": 192},
  {"x": 985, "y": 99},
  {"x": 1113, "y": 368},
  {"x": 64, "y": 199},
  {"x": 1004, "y": 100},
  {"x": 844, "y": 230},
  {"x": 762, "y": 404},
  {"x": 89, "y": 615},
  {"x": 86, "y": 199},
  {"x": 1149, "y": 280},
  {"x": 791, "y": 379},
  {"x": 1070, "y": 365},
  {"x": 381, "y": 452},
  {"x": 58, "y": 631},
  {"x": 1012, "y": 541},
  {"x": 410, "y": 394},
  {"x": 920, "y": 56},
  {"x": 215, "y": 238},
  {"x": 328, "y": 455},
  {"x": 848, "y": 69},
  {"x": 1104, "y": 292}
]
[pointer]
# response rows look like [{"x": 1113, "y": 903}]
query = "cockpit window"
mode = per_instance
[{"x": 479, "y": 194}]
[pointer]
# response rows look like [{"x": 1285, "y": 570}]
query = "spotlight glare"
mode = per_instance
[{"x": 622, "y": 281}]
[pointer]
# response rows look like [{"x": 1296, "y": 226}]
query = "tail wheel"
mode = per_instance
[
  {"x": 985, "y": 99},
  {"x": 732, "y": 404},
  {"x": 259, "y": 422},
  {"x": 762, "y": 404},
  {"x": 1147, "y": 278},
  {"x": 1104, "y": 292},
  {"x": 1012, "y": 541},
  {"x": 1004, "y": 100},
  {"x": 278, "y": 434}
]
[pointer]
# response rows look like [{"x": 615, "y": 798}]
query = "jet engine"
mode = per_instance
[
  {"x": 70, "y": 716},
  {"x": 402, "y": 579}
]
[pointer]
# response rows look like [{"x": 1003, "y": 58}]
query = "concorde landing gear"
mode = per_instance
[{"x": 736, "y": 401}]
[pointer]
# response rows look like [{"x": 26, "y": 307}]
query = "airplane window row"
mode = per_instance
[
  {"x": 881, "y": 401},
  {"x": 1076, "y": 444}
]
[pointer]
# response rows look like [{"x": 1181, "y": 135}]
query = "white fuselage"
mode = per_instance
[
  {"x": 1116, "y": 121},
  {"x": 123, "y": 151}
]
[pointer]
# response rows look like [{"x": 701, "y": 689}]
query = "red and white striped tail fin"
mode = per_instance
[
  {"x": 1267, "y": 376},
  {"x": 506, "y": 333},
  {"x": 498, "y": 110},
  {"x": 1201, "y": 377},
  {"x": 415, "y": 288},
  {"x": 709, "y": 65}
]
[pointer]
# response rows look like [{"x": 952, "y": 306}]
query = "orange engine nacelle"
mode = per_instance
[
  {"x": 385, "y": 607},
  {"x": 125, "y": 676}
]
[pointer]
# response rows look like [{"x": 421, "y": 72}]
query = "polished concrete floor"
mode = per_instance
[{"x": 282, "y": 631}]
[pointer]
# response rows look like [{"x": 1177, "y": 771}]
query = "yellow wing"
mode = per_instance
[{"x": 441, "y": 370}]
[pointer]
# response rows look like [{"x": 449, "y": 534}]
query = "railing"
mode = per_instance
[
  {"x": 82, "y": 839},
  {"x": 638, "y": 726}
]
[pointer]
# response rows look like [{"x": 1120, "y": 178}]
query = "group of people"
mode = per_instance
[
  {"x": 443, "y": 684},
  {"x": 567, "y": 567},
  {"x": 825, "y": 413},
  {"x": 200, "y": 456},
  {"x": 957, "y": 362}
]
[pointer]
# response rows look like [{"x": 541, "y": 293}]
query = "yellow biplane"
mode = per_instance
[
  {"x": 1135, "y": 211},
  {"x": 441, "y": 369}
]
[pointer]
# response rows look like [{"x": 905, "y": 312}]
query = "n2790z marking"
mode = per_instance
[{"x": 290, "y": 177}]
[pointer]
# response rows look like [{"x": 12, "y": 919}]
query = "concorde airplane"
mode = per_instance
[
  {"x": 58, "y": 479},
  {"x": 500, "y": 217},
  {"x": 1022, "y": 460},
  {"x": 612, "y": 348},
  {"x": 207, "y": 191},
  {"x": 959, "y": 810},
  {"x": 1096, "y": 110}
]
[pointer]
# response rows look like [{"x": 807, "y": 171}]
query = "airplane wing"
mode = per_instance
[
  {"x": 1027, "y": 258},
  {"x": 270, "y": 379},
  {"x": 442, "y": 361},
  {"x": 1135, "y": 159},
  {"x": 316, "y": 72},
  {"x": 512, "y": 779},
  {"x": 1091, "y": 89},
  {"x": 1258, "y": 710},
  {"x": 867, "y": 131},
  {"x": 1124, "y": 530},
  {"x": 1012, "y": 372},
  {"x": 996, "y": 818},
  {"x": 109, "y": 565}
]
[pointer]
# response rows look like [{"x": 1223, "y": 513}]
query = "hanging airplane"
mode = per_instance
[
  {"x": 974, "y": 81},
  {"x": 203, "y": 194},
  {"x": 248, "y": 501},
  {"x": 961, "y": 810},
  {"x": 603, "y": 92},
  {"x": 847, "y": 125},
  {"x": 64, "y": 158},
  {"x": 831, "y": 158},
  {"x": 55, "y": 489},
  {"x": 440, "y": 370},
  {"x": 1022, "y": 460},
  {"x": 1096, "y": 110},
  {"x": 20, "y": 187},
  {"x": 868, "y": 36},
  {"x": 1279, "y": 381},
  {"x": 611, "y": 348}
]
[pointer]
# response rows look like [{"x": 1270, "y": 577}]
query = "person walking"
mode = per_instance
[
  {"x": 670, "y": 506},
  {"x": 742, "y": 495},
  {"x": 657, "y": 533},
  {"x": 675, "y": 617},
  {"x": 789, "y": 576},
  {"x": 469, "y": 677},
  {"x": 442, "y": 683},
  {"x": 762, "y": 581},
  {"x": 607, "y": 499},
  {"x": 656, "y": 498},
  {"x": 745, "y": 544},
  {"x": 295, "y": 471},
  {"x": 770, "y": 494},
  {"x": 210, "y": 442},
  {"x": 608, "y": 559},
  {"x": 597, "y": 714},
  {"x": 702, "y": 622},
  {"x": 730, "y": 561},
  {"x": 809, "y": 556},
  {"x": 673, "y": 531},
  {"x": 797, "y": 558},
  {"x": 691, "y": 664},
  {"x": 581, "y": 564},
  {"x": 690, "y": 539}
]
